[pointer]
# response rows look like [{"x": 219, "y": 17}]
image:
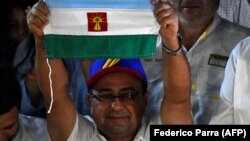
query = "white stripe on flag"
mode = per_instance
[{"x": 120, "y": 22}]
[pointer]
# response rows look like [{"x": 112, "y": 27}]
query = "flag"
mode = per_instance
[{"x": 100, "y": 29}]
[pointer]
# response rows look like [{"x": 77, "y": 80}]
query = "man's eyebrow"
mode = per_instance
[
  {"x": 109, "y": 90},
  {"x": 105, "y": 90},
  {"x": 128, "y": 89}
]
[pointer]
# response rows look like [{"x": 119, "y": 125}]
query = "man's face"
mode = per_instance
[
  {"x": 8, "y": 124},
  {"x": 18, "y": 28},
  {"x": 195, "y": 12},
  {"x": 118, "y": 119}
]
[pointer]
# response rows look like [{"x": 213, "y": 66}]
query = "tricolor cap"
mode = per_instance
[{"x": 100, "y": 67}]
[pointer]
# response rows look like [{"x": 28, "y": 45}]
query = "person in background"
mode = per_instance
[
  {"x": 234, "y": 101},
  {"x": 208, "y": 40},
  {"x": 24, "y": 61},
  {"x": 14, "y": 28},
  {"x": 117, "y": 94},
  {"x": 13, "y": 125},
  {"x": 32, "y": 102},
  {"x": 236, "y": 11}
]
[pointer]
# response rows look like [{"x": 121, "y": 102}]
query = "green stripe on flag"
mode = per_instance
[{"x": 80, "y": 46}]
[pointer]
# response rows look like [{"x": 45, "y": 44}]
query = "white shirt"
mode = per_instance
[
  {"x": 85, "y": 130},
  {"x": 235, "y": 91},
  {"x": 31, "y": 129}
]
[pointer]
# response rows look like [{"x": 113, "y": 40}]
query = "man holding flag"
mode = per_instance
[{"x": 117, "y": 88}]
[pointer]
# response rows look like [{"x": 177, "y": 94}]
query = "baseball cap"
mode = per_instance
[{"x": 129, "y": 66}]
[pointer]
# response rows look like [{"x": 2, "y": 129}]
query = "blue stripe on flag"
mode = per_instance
[{"x": 115, "y": 4}]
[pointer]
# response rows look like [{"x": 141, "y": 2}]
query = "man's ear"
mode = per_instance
[
  {"x": 146, "y": 98},
  {"x": 90, "y": 101},
  {"x": 31, "y": 74}
]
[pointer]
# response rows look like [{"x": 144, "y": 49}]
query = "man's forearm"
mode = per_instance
[
  {"x": 176, "y": 78},
  {"x": 59, "y": 78}
]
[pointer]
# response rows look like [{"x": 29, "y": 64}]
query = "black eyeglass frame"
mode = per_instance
[{"x": 130, "y": 96}]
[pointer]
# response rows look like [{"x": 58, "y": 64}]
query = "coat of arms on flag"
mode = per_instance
[
  {"x": 100, "y": 28},
  {"x": 97, "y": 21}
]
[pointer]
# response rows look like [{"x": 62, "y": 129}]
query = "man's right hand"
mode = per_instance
[{"x": 37, "y": 18}]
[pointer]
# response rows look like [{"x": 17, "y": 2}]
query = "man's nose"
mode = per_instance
[{"x": 116, "y": 104}]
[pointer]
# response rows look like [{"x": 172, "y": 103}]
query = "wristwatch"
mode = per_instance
[{"x": 169, "y": 52}]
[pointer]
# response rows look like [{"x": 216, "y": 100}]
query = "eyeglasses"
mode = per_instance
[{"x": 125, "y": 96}]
